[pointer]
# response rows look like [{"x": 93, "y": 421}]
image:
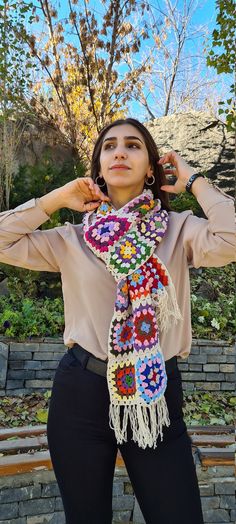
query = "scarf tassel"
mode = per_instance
[
  {"x": 167, "y": 309},
  {"x": 146, "y": 422}
]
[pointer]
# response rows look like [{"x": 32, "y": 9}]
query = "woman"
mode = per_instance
[{"x": 126, "y": 293}]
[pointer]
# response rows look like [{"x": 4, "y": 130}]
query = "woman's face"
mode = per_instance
[{"x": 124, "y": 158}]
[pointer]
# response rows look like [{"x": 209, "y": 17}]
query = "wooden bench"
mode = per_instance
[{"x": 25, "y": 449}]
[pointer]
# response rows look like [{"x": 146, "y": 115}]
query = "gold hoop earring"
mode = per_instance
[
  {"x": 96, "y": 181},
  {"x": 150, "y": 183}
]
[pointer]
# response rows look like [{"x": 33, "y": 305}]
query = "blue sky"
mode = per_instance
[{"x": 205, "y": 14}]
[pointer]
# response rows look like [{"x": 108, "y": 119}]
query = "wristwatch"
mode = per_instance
[{"x": 191, "y": 180}]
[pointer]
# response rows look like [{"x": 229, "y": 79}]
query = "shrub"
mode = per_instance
[
  {"x": 214, "y": 318},
  {"x": 27, "y": 318},
  {"x": 185, "y": 201},
  {"x": 35, "y": 181},
  {"x": 22, "y": 316},
  {"x": 23, "y": 283}
]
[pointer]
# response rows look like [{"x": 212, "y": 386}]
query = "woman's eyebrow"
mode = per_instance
[{"x": 125, "y": 137}]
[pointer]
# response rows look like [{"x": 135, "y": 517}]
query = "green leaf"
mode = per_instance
[
  {"x": 197, "y": 416},
  {"x": 229, "y": 418},
  {"x": 42, "y": 415},
  {"x": 47, "y": 394},
  {"x": 215, "y": 420}
]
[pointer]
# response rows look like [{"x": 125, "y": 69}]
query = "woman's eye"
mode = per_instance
[
  {"x": 130, "y": 146},
  {"x": 108, "y": 146},
  {"x": 133, "y": 145}
]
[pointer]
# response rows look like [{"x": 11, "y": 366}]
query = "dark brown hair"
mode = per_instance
[{"x": 158, "y": 172}]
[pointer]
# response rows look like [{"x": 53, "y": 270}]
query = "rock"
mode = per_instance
[
  {"x": 205, "y": 290},
  {"x": 202, "y": 140},
  {"x": 3, "y": 287}
]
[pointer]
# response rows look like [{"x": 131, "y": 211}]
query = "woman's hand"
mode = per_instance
[
  {"x": 82, "y": 194},
  {"x": 181, "y": 170}
]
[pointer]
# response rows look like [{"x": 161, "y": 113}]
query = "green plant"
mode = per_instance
[
  {"x": 214, "y": 318},
  {"x": 24, "y": 313},
  {"x": 22, "y": 283},
  {"x": 185, "y": 201},
  {"x": 222, "y": 56},
  {"x": 29, "y": 318},
  {"x": 204, "y": 409},
  {"x": 35, "y": 181},
  {"x": 16, "y": 67}
]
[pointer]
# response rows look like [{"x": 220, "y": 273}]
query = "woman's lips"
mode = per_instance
[{"x": 120, "y": 167}]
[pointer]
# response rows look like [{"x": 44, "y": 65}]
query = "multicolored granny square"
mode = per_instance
[
  {"x": 125, "y": 382},
  {"x": 145, "y": 328},
  {"x": 121, "y": 336},
  {"x": 106, "y": 232},
  {"x": 151, "y": 377}
]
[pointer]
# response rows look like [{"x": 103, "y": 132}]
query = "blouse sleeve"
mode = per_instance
[
  {"x": 23, "y": 245},
  {"x": 211, "y": 242}
]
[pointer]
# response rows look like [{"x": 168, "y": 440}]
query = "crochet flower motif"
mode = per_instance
[
  {"x": 128, "y": 254},
  {"x": 127, "y": 250},
  {"x": 125, "y": 381},
  {"x": 151, "y": 377},
  {"x": 145, "y": 328},
  {"x": 106, "y": 232},
  {"x": 104, "y": 208},
  {"x": 154, "y": 228},
  {"x": 136, "y": 279},
  {"x": 149, "y": 206},
  {"x": 122, "y": 336}
]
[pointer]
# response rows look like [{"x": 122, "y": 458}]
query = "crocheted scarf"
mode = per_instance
[{"x": 126, "y": 240}]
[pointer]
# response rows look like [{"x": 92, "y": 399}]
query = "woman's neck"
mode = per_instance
[{"x": 121, "y": 198}]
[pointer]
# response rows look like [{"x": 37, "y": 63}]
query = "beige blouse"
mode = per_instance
[{"x": 89, "y": 290}]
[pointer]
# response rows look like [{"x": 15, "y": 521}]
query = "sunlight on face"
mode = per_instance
[{"x": 124, "y": 160}]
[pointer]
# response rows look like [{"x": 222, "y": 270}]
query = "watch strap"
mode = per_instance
[{"x": 191, "y": 180}]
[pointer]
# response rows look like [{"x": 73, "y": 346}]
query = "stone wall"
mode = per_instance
[
  {"x": 200, "y": 137},
  {"x": 203, "y": 141},
  {"x": 40, "y": 139},
  {"x": 217, "y": 490},
  {"x": 34, "y": 498},
  {"x": 209, "y": 367},
  {"x": 26, "y": 367}
]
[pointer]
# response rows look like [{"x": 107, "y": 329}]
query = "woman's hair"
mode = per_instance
[{"x": 158, "y": 172}]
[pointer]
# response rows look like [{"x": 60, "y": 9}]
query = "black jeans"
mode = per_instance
[{"x": 83, "y": 451}]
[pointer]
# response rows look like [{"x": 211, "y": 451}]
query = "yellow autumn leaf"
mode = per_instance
[{"x": 42, "y": 415}]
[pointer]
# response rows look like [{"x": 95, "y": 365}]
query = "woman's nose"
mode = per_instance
[{"x": 120, "y": 153}]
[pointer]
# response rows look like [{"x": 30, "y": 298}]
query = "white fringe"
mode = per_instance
[
  {"x": 146, "y": 422},
  {"x": 167, "y": 308}
]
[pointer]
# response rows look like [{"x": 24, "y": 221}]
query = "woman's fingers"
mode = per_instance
[
  {"x": 169, "y": 189},
  {"x": 181, "y": 170},
  {"x": 96, "y": 193},
  {"x": 170, "y": 171},
  {"x": 170, "y": 157},
  {"x": 90, "y": 206}
]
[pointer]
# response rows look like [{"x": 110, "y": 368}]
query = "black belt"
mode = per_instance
[{"x": 92, "y": 363}]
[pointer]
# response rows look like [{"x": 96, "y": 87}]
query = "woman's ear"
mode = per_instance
[{"x": 149, "y": 170}]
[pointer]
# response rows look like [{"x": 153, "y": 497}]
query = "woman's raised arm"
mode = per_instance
[{"x": 23, "y": 245}]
